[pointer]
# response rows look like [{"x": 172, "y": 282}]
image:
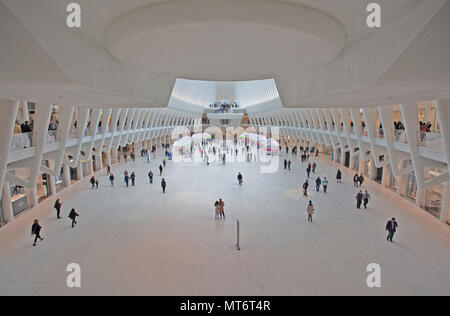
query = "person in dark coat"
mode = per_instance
[
  {"x": 339, "y": 176},
  {"x": 73, "y": 216},
  {"x": 36, "y": 231},
  {"x": 160, "y": 170},
  {"x": 366, "y": 199},
  {"x": 240, "y": 178},
  {"x": 305, "y": 188},
  {"x": 133, "y": 179},
  {"x": 163, "y": 185},
  {"x": 92, "y": 182},
  {"x": 356, "y": 180},
  {"x": 361, "y": 180},
  {"x": 58, "y": 206},
  {"x": 359, "y": 199},
  {"x": 111, "y": 178},
  {"x": 150, "y": 177},
  {"x": 318, "y": 184},
  {"x": 391, "y": 227},
  {"x": 308, "y": 170}
]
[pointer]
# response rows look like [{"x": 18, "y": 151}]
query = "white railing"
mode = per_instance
[{"x": 21, "y": 141}]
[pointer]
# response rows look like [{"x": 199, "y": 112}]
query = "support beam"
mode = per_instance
[
  {"x": 410, "y": 117},
  {"x": 8, "y": 213},
  {"x": 7, "y": 120}
]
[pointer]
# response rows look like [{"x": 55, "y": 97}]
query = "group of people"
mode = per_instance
[
  {"x": 128, "y": 177},
  {"x": 36, "y": 228},
  {"x": 362, "y": 198},
  {"x": 26, "y": 127},
  {"x": 219, "y": 207},
  {"x": 358, "y": 180},
  {"x": 94, "y": 183}
]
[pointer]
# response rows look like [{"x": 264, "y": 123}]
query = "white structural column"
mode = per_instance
[
  {"x": 443, "y": 108},
  {"x": 66, "y": 174},
  {"x": 386, "y": 178},
  {"x": 7, "y": 119},
  {"x": 402, "y": 179},
  {"x": 445, "y": 208},
  {"x": 24, "y": 114},
  {"x": 51, "y": 178},
  {"x": 8, "y": 214},
  {"x": 411, "y": 120},
  {"x": 80, "y": 170}
]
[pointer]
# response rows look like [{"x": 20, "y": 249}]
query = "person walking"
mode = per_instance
[
  {"x": 359, "y": 199},
  {"x": 289, "y": 165},
  {"x": 325, "y": 184},
  {"x": 366, "y": 198},
  {"x": 150, "y": 177},
  {"x": 58, "y": 206},
  {"x": 36, "y": 231},
  {"x": 92, "y": 182},
  {"x": 217, "y": 210},
  {"x": 339, "y": 176},
  {"x": 285, "y": 164},
  {"x": 163, "y": 185},
  {"x": 305, "y": 188},
  {"x": 310, "y": 211},
  {"x": 96, "y": 184},
  {"x": 73, "y": 216},
  {"x": 361, "y": 180},
  {"x": 160, "y": 170},
  {"x": 222, "y": 208},
  {"x": 314, "y": 166},
  {"x": 240, "y": 178},
  {"x": 108, "y": 170},
  {"x": 111, "y": 179},
  {"x": 356, "y": 180},
  {"x": 133, "y": 178},
  {"x": 318, "y": 184},
  {"x": 127, "y": 179},
  {"x": 308, "y": 170},
  {"x": 391, "y": 227},
  {"x": 164, "y": 162}
]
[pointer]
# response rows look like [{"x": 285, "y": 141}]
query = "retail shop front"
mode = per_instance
[
  {"x": 434, "y": 195},
  {"x": 59, "y": 181}
]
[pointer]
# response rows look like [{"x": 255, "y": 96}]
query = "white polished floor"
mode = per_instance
[{"x": 137, "y": 241}]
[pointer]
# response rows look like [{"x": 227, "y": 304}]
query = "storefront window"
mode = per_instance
[
  {"x": 19, "y": 199},
  {"x": 433, "y": 200},
  {"x": 59, "y": 181},
  {"x": 355, "y": 163},
  {"x": 43, "y": 188},
  {"x": 379, "y": 177},
  {"x": 74, "y": 175},
  {"x": 394, "y": 181},
  {"x": 411, "y": 187}
]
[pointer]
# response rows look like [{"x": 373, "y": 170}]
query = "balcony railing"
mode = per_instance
[
  {"x": 21, "y": 141},
  {"x": 430, "y": 140}
]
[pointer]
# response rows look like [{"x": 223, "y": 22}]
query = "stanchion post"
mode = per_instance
[{"x": 238, "y": 230}]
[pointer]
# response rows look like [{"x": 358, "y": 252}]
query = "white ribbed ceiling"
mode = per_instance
[{"x": 197, "y": 95}]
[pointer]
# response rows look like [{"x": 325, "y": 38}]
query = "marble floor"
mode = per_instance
[{"x": 138, "y": 241}]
